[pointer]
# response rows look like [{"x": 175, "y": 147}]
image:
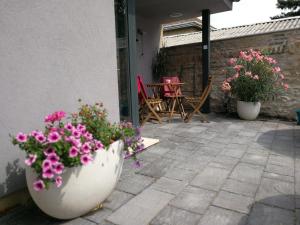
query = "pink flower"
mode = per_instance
[
  {"x": 85, "y": 159},
  {"x": 81, "y": 127},
  {"x": 235, "y": 76},
  {"x": 238, "y": 67},
  {"x": 48, "y": 174},
  {"x": 88, "y": 136},
  {"x": 49, "y": 151},
  {"x": 35, "y": 133},
  {"x": 58, "y": 181},
  {"x": 40, "y": 138},
  {"x": 69, "y": 127},
  {"x": 46, "y": 164},
  {"x": 73, "y": 152},
  {"x": 256, "y": 77},
  {"x": 86, "y": 148},
  {"x": 76, "y": 133},
  {"x": 53, "y": 158},
  {"x": 276, "y": 69},
  {"x": 38, "y": 185},
  {"x": 56, "y": 116},
  {"x": 31, "y": 159},
  {"x": 286, "y": 86},
  {"x": 281, "y": 76},
  {"x": 59, "y": 168},
  {"x": 98, "y": 145},
  {"x": 54, "y": 137},
  {"x": 226, "y": 86},
  {"x": 232, "y": 61},
  {"x": 21, "y": 137},
  {"x": 249, "y": 74}
]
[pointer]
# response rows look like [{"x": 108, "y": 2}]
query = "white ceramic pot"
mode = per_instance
[
  {"x": 248, "y": 110},
  {"x": 84, "y": 187}
]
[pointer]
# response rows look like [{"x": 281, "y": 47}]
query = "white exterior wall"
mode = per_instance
[
  {"x": 52, "y": 52},
  {"x": 150, "y": 45}
]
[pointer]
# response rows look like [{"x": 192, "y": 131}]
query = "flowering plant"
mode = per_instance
[
  {"x": 254, "y": 77},
  {"x": 74, "y": 143}
]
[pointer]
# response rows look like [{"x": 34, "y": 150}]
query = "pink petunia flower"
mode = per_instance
[
  {"x": 286, "y": 86},
  {"x": 38, "y": 185},
  {"x": 31, "y": 159},
  {"x": 59, "y": 168},
  {"x": 98, "y": 145},
  {"x": 81, "y": 127},
  {"x": 281, "y": 76},
  {"x": 48, "y": 174},
  {"x": 73, "y": 152},
  {"x": 53, "y": 158},
  {"x": 54, "y": 137},
  {"x": 232, "y": 61},
  {"x": 40, "y": 138},
  {"x": 226, "y": 86},
  {"x": 86, "y": 148},
  {"x": 21, "y": 137},
  {"x": 46, "y": 164},
  {"x": 85, "y": 159},
  {"x": 69, "y": 127},
  {"x": 238, "y": 67},
  {"x": 88, "y": 136},
  {"x": 49, "y": 151},
  {"x": 58, "y": 181},
  {"x": 76, "y": 133}
]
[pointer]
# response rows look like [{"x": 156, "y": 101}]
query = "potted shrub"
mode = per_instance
[
  {"x": 74, "y": 164},
  {"x": 253, "y": 77}
]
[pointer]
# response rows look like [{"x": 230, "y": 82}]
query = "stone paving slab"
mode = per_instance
[
  {"x": 219, "y": 216},
  {"x": 169, "y": 185},
  {"x": 247, "y": 173},
  {"x": 98, "y": 216},
  {"x": 255, "y": 159},
  {"x": 117, "y": 199},
  {"x": 141, "y": 209},
  {"x": 236, "y": 202},
  {"x": 211, "y": 178},
  {"x": 174, "y": 216},
  {"x": 193, "y": 199},
  {"x": 180, "y": 174},
  {"x": 239, "y": 187}
]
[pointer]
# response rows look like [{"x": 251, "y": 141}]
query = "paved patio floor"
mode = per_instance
[{"x": 226, "y": 172}]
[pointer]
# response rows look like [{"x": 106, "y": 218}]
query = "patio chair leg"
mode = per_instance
[{"x": 172, "y": 110}]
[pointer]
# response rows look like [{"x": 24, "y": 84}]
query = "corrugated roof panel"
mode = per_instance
[{"x": 234, "y": 32}]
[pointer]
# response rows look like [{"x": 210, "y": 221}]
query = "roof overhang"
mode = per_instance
[{"x": 162, "y": 10}]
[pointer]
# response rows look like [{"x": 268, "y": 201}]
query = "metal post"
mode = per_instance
[
  {"x": 131, "y": 20},
  {"x": 205, "y": 54}
]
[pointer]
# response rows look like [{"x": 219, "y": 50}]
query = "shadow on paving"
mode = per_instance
[
  {"x": 280, "y": 141},
  {"x": 275, "y": 210}
]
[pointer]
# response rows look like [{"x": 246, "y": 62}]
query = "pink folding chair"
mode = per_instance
[{"x": 147, "y": 105}]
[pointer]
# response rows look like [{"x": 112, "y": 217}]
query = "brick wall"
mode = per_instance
[{"x": 284, "y": 47}]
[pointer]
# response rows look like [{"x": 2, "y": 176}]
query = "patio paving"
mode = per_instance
[{"x": 226, "y": 172}]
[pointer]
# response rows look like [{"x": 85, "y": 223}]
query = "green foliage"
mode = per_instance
[
  {"x": 291, "y": 8},
  {"x": 160, "y": 64}
]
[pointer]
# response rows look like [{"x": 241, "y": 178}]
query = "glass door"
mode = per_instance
[{"x": 122, "y": 57}]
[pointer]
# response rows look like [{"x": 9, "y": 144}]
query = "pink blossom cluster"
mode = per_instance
[
  {"x": 251, "y": 57},
  {"x": 56, "y": 116},
  {"x": 74, "y": 141}
]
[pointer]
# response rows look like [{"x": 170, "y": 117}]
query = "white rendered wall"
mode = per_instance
[{"x": 52, "y": 52}]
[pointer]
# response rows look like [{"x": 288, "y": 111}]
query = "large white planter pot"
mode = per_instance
[
  {"x": 248, "y": 110},
  {"x": 84, "y": 187}
]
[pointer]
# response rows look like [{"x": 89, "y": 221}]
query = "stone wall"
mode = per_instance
[{"x": 284, "y": 46}]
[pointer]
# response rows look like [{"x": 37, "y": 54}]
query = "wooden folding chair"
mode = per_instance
[
  {"x": 197, "y": 102},
  {"x": 148, "y": 106},
  {"x": 173, "y": 95}
]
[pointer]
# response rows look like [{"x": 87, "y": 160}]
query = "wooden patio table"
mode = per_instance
[{"x": 176, "y": 98}]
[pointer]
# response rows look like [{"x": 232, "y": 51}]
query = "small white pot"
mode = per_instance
[
  {"x": 84, "y": 187},
  {"x": 248, "y": 110}
]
